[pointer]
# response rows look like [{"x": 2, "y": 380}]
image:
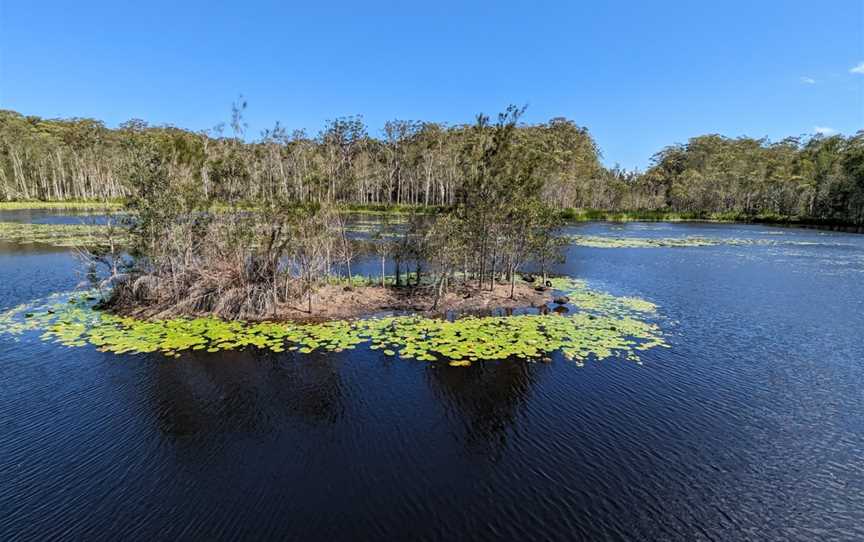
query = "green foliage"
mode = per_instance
[
  {"x": 817, "y": 179},
  {"x": 414, "y": 166},
  {"x": 419, "y": 165}
]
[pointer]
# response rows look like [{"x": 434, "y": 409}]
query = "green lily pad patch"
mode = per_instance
[{"x": 601, "y": 326}]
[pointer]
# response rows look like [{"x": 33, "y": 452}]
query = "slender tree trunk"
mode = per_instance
[
  {"x": 492, "y": 275},
  {"x": 440, "y": 290},
  {"x": 482, "y": 263}
]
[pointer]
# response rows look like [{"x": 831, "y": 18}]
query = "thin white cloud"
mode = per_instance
[
  {"x": 859, "y": 69},
  {"x": 824, "y": 130},
  {"x": 808, "y": 80}
]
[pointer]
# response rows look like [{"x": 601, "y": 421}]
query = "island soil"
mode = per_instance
[{"x": 333, "y": 302}]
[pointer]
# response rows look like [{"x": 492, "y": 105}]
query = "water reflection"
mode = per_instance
[
  {"x": 485, "y": 400},
  {"x": 53, "y": 216},
  {"x": 245, "y": 392},
  {"x": 260, "y": 395},
  {"x": 9, "y": 248}
]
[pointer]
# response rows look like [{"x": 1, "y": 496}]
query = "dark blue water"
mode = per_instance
[
  {"x": 751, "y": 427},
  {"x": 53, "y": 216}
]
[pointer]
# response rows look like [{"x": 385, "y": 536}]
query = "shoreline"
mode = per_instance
[
  {"x": 569, "y": 215},
  {"x": 574, "y": 216}
]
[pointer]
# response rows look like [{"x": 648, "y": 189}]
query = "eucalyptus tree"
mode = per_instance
[
  {"x": 340, "y": 142},
  {"x": 499, "y": 174},
  {"x": 813, "y": 177}
]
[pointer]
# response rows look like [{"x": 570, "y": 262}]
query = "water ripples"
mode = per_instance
[{"x": 749, "y": 428}]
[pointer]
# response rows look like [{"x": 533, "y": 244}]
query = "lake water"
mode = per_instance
[{"x": 750, "y": 427}]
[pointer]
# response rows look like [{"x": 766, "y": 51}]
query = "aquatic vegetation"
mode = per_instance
[
  {"x": 596, "y": 241},
  {"x": 60, "y": 235},
  {"x": 602, "y": 326},
  {"x": 68, "y": 235},
  {"x": 601, "y": 303}
]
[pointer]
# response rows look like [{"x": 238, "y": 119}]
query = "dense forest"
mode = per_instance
[{"x": 423, "y": 163}]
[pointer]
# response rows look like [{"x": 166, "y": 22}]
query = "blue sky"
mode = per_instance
[{"x": 639, "y": 75}]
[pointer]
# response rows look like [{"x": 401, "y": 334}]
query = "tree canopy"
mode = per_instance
[{"x": 423, "y": 163}]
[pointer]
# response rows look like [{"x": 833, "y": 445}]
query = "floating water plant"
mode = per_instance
[
  {"x": 68, "y": 235},
  {"x": 601, "y": 326},
  {"x": 60, "y": 235},
  {"x": 596, "y": 241}
]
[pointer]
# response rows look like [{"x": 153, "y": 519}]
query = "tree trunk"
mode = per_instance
[
  {"x": 441, "y": 280},
  {"x": 492, "y": 274}
]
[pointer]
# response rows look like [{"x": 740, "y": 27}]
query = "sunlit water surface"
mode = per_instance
[{"x": 751, "y": 427}]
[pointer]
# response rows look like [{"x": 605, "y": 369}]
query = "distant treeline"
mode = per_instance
[{"x": 421, "y": 163}]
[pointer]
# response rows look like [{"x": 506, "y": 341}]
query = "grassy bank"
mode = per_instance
[
  {"x": 596, "y": 215},
  {"x": 570, "y": 214},
  {"x": 93, "y": 205},
  {"x": 75, "y": 205},
  {"x": 384, "y": 209}
]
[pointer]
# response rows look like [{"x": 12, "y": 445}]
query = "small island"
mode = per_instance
[{"x": 179, "y": 250}]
